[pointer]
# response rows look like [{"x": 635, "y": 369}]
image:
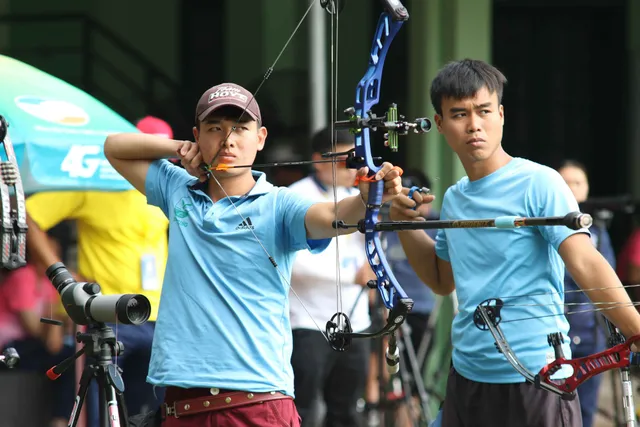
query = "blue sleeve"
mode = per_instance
[
  {"x": 442, "y": 248},
  {"x": 163, "y": 178},
  {"x": 292, "y": 208},
  {"x": 549, "y": 195}
]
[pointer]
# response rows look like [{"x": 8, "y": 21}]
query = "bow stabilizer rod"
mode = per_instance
[{"x": 573, "y": 220}]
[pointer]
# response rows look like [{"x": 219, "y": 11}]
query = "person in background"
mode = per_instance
[
  {"x": 26, "y": 295},
  {"x": 321, "y": 373},
  {"x": 122, "y": 245},
  {"x": 154, "y": 126},
  {"x": 585, "y": 329}
]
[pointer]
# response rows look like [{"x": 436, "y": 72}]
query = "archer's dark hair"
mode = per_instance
[
  {"x": 462, "y": 79},
  {"x": 570, "y": 163},
  {"x": 322, "y": 140}
]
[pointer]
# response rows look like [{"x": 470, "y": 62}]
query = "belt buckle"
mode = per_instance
[{"x": 171, "y": 410}]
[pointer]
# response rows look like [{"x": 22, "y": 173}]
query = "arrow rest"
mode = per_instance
[
  {"x": 352, "y": 161},
  {"x": 339, "y": 332}
]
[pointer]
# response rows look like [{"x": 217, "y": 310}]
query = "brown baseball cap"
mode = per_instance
[{"x": 226, "y": 94}]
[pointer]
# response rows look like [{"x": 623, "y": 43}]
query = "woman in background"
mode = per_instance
[{"x": 586, "y": 329}]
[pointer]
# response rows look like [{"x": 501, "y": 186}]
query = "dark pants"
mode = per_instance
[
  {"x": 338, "y": 377},
  {"x": 140, "y": 396},
  {"x": 473, "y": 404},
  {"x": 35, "y": 357}
]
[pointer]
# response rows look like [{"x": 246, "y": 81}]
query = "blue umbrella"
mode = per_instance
[{"x": 58, "y": 131}]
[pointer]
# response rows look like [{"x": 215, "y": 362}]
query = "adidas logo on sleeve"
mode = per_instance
[{"x": 245, "y": 225}]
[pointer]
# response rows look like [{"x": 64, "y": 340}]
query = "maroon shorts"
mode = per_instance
[{"x": 269, "y": 413}]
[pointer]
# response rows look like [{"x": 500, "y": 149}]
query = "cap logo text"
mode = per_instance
[{"x": 227, "y": 91}]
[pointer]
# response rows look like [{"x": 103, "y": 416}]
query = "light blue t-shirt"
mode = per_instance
[
  {"x": 489, "y": 263},
  {"x": 223, "y": 319}
]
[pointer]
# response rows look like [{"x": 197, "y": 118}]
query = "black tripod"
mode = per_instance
[
  {"x": 99, "y": 344},
  {"x": 382, "y": 412}
]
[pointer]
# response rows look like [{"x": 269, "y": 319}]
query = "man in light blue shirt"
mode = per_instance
[
  {"x": 483, "y": 388},
  {"x": 222, "y": 343}
]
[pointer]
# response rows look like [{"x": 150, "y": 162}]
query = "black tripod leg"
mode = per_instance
[
  {"x": 85, "y": 380},
  {"x": 425, "y": 415},
  {"x": 124, "y": 416},
  {"x": 104, "y": 400},
  {"x": 114, "y": 407}
]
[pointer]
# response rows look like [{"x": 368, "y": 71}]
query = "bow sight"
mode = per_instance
[{"x": 394, "y": 124}]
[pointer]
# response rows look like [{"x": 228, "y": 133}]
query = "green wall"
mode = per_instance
[{"x": 442, "y": 31}]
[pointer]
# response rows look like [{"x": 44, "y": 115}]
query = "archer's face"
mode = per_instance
[
  {"x": 239, "y": 148},
  {"x": 577, "y": 181},
  {"x": 472, "y": 126}
]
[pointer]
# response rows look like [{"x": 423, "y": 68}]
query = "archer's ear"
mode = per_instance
[
  {"x": 438, "y": 119},
  {"x": 262, "y": 137},
  {"x": 196, "y": 133},
  {"x": 501, "y": 110}
]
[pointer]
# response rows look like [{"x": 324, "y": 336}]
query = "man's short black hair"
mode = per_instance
[
  {"x": 322, "y": 140},
  {"x": 463, "y": 79}
]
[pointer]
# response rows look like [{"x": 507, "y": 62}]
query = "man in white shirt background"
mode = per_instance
[{"x": 337, "y": 379}]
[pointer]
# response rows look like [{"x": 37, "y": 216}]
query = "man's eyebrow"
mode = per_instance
[
  {"x": 213, "y": 121},
  {"x": 460, "y": 110}
]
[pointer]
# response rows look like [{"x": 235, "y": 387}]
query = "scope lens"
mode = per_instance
[{"x": 133, "y": 309}]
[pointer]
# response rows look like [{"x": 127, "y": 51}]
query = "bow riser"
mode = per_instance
[{"x": 367, "y": 96}]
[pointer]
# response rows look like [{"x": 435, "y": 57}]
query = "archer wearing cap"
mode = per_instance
[{"x": 223, "y": 332}]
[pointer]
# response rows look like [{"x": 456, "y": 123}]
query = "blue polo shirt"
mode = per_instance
[
  {"x": 223, "y": 319},
  {"x": 500, "y": 263}
]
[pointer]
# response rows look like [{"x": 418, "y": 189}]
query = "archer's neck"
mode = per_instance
[
  {"x": 480, "y": 169},
  {"x": 232, "y": 185}
]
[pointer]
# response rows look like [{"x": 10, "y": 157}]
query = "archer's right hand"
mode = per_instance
[
  {"x": 403, "y": 208},
  {"x": 191, "y": 159}
]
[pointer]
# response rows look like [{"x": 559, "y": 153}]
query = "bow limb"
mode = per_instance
[
  {"x": 14, "y": 215},
  {"x": 488, "y": 317}
]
